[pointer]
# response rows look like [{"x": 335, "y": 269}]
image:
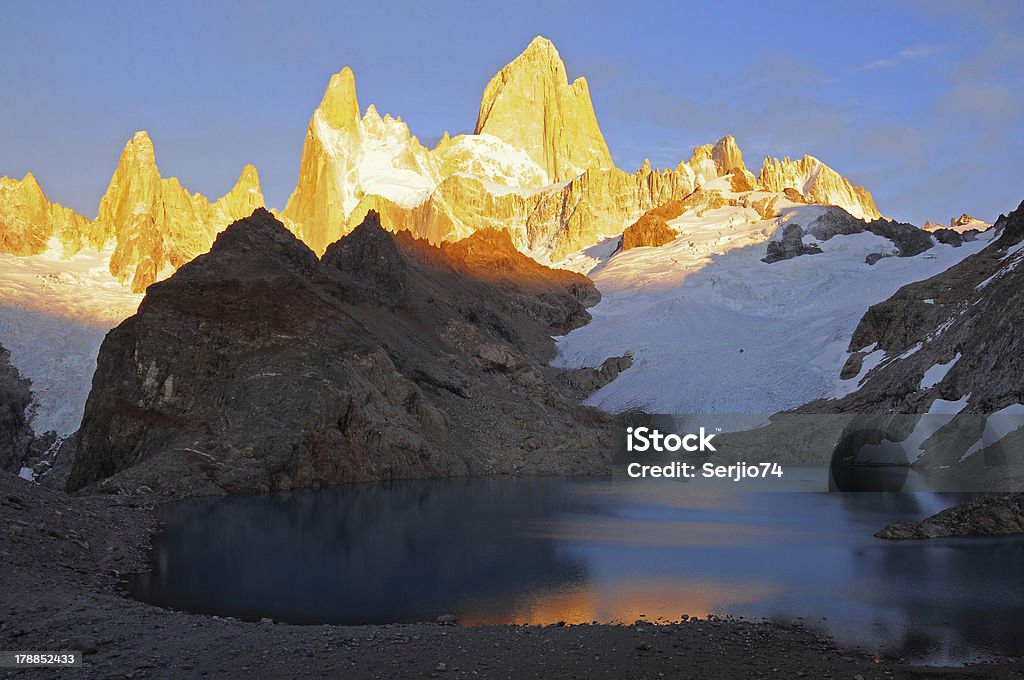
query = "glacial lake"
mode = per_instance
[{"x": 543, "y": 550}]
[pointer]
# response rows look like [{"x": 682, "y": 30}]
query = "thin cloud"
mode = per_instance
[{"x": 903, "y": 56}]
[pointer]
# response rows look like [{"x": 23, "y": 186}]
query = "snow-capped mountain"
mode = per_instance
[{"x": 536, "y": 166}]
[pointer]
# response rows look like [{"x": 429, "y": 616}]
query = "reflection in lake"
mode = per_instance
[{"x": 543, "y": 550}]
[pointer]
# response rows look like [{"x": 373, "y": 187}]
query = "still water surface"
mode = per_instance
[{"x": 543, "y": 550}]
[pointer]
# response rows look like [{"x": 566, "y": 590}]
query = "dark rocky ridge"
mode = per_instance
[
  {"x": 998, "y": 515},
  {"x": 907, "y": 239},
  {"x": 789, "y": 246},
  {"x": 258, "y": 366},
  {"x": 15, "y": 431}
]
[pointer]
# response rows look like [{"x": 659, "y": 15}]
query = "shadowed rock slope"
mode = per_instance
[
  {"x": 258, "y": 366},
  {"x": 15, "y": 431}
]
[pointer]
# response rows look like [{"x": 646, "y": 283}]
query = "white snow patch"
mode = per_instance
[
  {"x": 944, "y": 407},
  {"x": 937, "y": 373},
  {"x": 845, "y": 387}
]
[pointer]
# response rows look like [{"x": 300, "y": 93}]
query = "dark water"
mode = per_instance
[{"x": 542, "y": 550}]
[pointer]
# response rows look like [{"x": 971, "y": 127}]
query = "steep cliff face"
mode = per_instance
[
  {"x": 818, "y": 183},
  {"x": 15, "y": 431},
  {"x": 531, "y": 105},
  {"x": 534, "y": 129},
  {"x": 546, "y": 224},
  {"x": 258, "y": 366},
  {"x": 28, "y": 221},
  {"x": 156, "y": 224},
  {"x": 346, "y": 157}
]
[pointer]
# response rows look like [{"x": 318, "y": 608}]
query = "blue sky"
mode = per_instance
[{"x": 920, "y": 101}]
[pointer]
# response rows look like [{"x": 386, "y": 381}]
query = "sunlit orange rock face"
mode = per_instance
[
  {"x": 28, "y": 221},
  {"x": 156, "y": 224},
  {"x": 818, "y": 183},
  {"x": 537, "y": 166},
  {"x": 531, "y": 105},
  {"x": 346, "y": 156},
  {"x": 652, "y": 228},
  {"x": 549, "y": 224}
]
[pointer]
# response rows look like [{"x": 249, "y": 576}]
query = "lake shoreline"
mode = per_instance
[{"x": 65, "y": 556}]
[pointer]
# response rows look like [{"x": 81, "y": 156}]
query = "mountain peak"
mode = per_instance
[
  {"x": 29, "y": 180},
  {"x": 531, "y": 105},
  {"x": 727, "y": 155},
  {"x": 245, "y": 197},
  {"x": 541, "y": 46},
  {"x": 248, "y": 181},
  {"x": 138, "y": 151},
  {"x": 340, "y": 106}
]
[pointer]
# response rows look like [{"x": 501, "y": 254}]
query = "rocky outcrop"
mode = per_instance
[
  {"x": 531, "y": 105},
  {"x": 28, "y": 221},
  {"x": 817, "y": 183},
  {"x": 998, "y": 515},
  {"x": 728, "y": 160},
  {"x": 652, "y": 228},
  {"x": 15, "y": 431},
  {"x": 789, "y": 245},
  {"x": 259, "y": 366},
  {"x": 907, "y": 240}
]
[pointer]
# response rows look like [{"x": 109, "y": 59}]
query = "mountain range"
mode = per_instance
[
  {"x": 441, "y": 274},
  {"x": 536, "y": 165}
]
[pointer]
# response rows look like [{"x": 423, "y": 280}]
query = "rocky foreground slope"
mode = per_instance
[{"x": 259, "y": 366}]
